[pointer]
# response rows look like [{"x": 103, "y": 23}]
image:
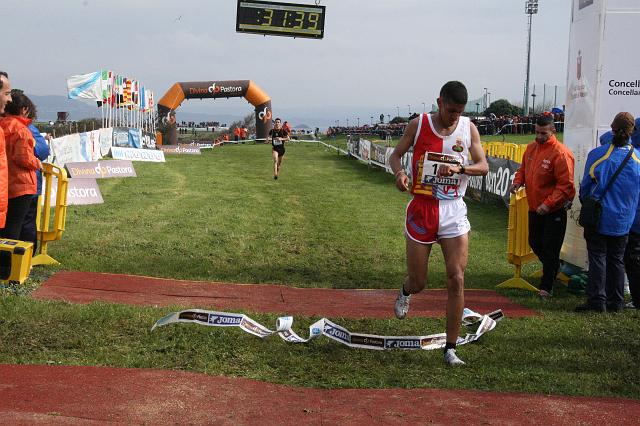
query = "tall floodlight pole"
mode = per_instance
[
  {"x": 484, "y": 99},
  {"x": 530, "y": 9}
]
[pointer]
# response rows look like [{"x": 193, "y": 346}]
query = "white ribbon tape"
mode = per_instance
[{"x": 334, "y": 331}]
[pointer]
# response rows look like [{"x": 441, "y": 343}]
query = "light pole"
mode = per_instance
[
  {"x": 530, "y": 9},
  {"x": 477, "y": 106},
  {"x": 424, "y": 107},
  {"x": 488, "y": 99},
  {"x": 533, "y": 95},
  {"x": 347, "y": 122},
  {"x": 409, "y": 106},
  {"x": 484, "y": 100},
  {"x": 398, "y": 108},
  {"x": 358, "y": 121},
  {"x": 372, "y": 120},
  {"x": 388, "y": 118}
]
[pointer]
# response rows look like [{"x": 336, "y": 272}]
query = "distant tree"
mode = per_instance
[
  {"x": 502, "y": 107},
  {"x": 398, "y": 120}
]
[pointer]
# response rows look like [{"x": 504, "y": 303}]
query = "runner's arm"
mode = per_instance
[
  {"x": 395, "y": 160},
  {"x": 480, "y": 167}
]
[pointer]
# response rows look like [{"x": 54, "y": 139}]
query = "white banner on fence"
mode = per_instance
[
  {"x": 602, "y": 80},
  {"x": 80, "y": 147},
  {"x": 334, "y": 331},
  {"x": 120, "y": 153},
  {"x": 79, "y": 192}
]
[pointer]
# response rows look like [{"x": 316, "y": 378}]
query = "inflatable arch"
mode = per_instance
[{"x": 220, "y": 89}]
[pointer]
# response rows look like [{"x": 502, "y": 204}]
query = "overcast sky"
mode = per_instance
[{"x": 383, "y": 53}]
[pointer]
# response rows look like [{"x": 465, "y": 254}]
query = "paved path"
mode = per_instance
[
  {"x": 86, "y": 287},
  {"x": 91, "y": 395}
]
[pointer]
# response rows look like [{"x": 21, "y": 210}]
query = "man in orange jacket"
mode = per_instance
[
  {"x": 5, "y": 97},
  {"x": 546, "y": 172}
]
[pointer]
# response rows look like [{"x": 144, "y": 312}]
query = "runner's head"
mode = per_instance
[
  {"x": 544, "y": 128},
  {"x": 278, "y": 123},
  {"x": 451, "y": 103},
  {"x": 5, "y": 90}
]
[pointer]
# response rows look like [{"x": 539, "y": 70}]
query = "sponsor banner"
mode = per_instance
[
  {"x": 79, "y": 192},
  {"x": 76, "y": 147},
  {"x": 148, "y": 140},
  {"x": 494, "y": 187},
  {"x": 120, "y": 153},
  {"x": 180, "y": 149},
  {"x": 101, "y": 169},
  {"x": 334, "y": 331},
  {"x": 127, "y": 137},
  {"x": 378, "y": 155},
  {"x": 106, "y": 140},
  {"x": 215, "y": 89}
]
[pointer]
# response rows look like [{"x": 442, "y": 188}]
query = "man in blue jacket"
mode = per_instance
[{"x": 606, "y": 244}]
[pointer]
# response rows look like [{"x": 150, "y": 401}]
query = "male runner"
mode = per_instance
[
  {"x": 443, "y": 145},
  {"x": 278, "y": 136}
]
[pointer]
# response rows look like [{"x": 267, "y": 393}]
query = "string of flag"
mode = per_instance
[{"x": 124, "y": 101}]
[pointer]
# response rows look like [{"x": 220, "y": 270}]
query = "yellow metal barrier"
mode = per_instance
[
  {"x": 51, "y": 229},
  {"x": 518, "y": 250}
]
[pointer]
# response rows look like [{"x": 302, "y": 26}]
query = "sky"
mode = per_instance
[{"x": 376, "y": 55}]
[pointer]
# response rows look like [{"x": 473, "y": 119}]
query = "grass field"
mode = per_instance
[{"x": 329, "y": 221}]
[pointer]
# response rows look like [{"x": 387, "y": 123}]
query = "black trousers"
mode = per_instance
[
  {"x": 605, "y": 285},
  {"x": 29, "y": 230},
  {"x": 632, "y": 266},
  {"x": 546, "y": 235},
  {"x": 16, "y": 212}
]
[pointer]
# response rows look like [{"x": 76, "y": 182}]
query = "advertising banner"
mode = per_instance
[
  {"x": 602, "y": 80},
  {"x": 120, "y": 153},
  {"x": 101, "y": 169},
  {"x": 79, "y": 192},
  {"x": 494, "y": 187},
  {"x": 180, "y": 149},
  {"x": 127, "y": 137}
]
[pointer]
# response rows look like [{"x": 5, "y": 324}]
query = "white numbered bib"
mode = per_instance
[
  {"x": 431, "y": 164},
  {"x": 277, "y": 142}
]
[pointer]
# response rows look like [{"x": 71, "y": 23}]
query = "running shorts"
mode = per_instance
[
  {"x": 429, "y": 220},
  {"x": 279, "y": 150}
]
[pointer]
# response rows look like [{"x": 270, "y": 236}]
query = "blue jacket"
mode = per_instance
[
  {"x": 620, "y": 204},
  {"x": 41, "y": 151}
]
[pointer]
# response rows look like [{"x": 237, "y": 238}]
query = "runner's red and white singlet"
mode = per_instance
[{"x": 437, "y": 209}]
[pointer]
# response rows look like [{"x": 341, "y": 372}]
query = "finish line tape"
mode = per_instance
[{"x": 334, "y": 331}]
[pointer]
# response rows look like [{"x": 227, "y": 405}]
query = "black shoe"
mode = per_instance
[
  {"x": 615, "y": 308},
  {"x": 275, "y": 177},
  {"x": 590, "y": 308}
]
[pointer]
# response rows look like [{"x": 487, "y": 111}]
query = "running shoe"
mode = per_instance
[
  {"x": 402, "y": 305},
  {"x": 450, "y": 358},
  {"x": 544, "y": 294},
  {"x": 630, "y": 305}
]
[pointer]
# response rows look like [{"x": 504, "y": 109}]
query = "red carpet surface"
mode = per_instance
[
  {"x": 86, "y": 287},
  {"x": 87, "y": 395}
]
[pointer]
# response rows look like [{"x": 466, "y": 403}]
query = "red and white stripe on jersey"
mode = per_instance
[
  {"x": 429, "y": 220},
  {"x": 456, "y": 145}
]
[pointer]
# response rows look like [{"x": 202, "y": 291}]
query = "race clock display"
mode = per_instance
[{"x": 282, "y": 19}]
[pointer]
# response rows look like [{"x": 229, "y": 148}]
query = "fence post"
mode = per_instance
[
  {"x": 518, "y": 250},
  {"x": 43, "y": 216}
]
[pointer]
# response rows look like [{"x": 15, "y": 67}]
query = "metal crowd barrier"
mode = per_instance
[
  {"x": 51, "y": 228},
  {"x": 510, "y": 151},
  {"x": 518, "y": 250}
]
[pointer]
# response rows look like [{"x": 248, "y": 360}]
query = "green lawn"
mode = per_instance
[{"x": 329, "y": 221}]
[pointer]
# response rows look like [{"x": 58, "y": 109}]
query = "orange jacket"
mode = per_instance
[
  {"x": 547, "y": 174},
  {"x": 21, "y": 161},
  {"x": 4, "y": 181}
]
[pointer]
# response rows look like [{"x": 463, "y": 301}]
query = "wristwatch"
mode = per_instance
[{"x": 462, "y": 170}]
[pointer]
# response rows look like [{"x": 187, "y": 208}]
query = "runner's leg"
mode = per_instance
[
  {"x": 456, "y": 252},
  {"x": 417, "y": 266},
  {"x": 274, "y": 154}
]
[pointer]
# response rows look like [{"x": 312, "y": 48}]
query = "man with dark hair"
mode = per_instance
[
  {"x": 278, "y": 136},
  {"x": 5, "y": 97},
  {"x": 546, "y": 172},
  {"x": 443, "y": 145}
]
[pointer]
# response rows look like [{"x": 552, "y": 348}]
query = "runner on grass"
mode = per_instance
[{"x": 278, "y": 136}]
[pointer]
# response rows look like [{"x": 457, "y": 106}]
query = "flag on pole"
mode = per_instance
[{"x": 87, "y": 86}]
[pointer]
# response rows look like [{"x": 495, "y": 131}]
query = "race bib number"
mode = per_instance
[
  {"x": 430, "y": 166},
  {"x": 277, "y": 142}
]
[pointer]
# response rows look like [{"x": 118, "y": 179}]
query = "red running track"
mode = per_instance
[
  {"x": 64, "y": 395},
  {"x": 87, "y": 287}
]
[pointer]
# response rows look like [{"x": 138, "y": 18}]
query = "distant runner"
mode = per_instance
[
  {"x": 278, "y": 136},
  {"x": 443, "y": 145}
]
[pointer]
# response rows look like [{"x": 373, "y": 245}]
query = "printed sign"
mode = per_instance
[
  {"x": 79, "y": 192},
  {"x": 101, "y": 169},
  {"x": 180, "y": 149},
  {"x": 133, "y": 154}
]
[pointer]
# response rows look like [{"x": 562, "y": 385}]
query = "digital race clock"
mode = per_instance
[{"x": 282, "y": 19}]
